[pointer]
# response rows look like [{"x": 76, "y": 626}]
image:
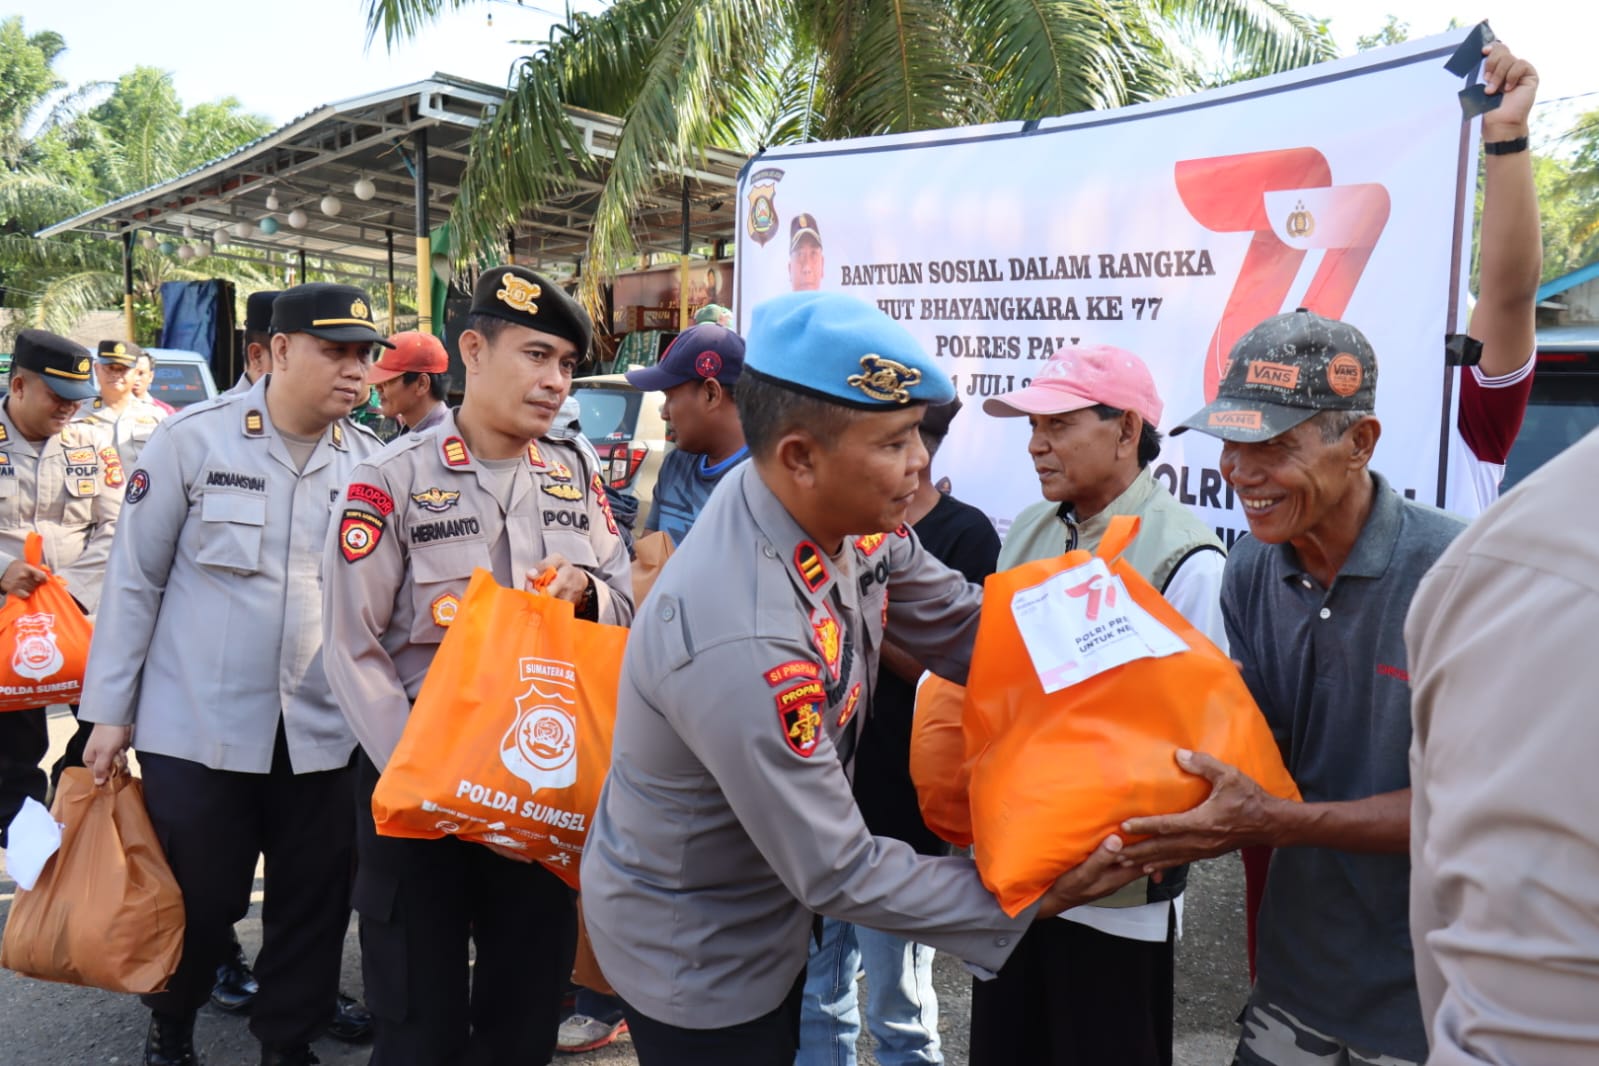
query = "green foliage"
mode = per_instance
[
  {"x": 685, "y": 75},
  {"x": 90, "y": 146}
]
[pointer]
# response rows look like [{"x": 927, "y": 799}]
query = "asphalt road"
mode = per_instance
[{"x": 58, "y": 1025}]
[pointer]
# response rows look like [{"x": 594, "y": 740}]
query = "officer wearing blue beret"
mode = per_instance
[{"x": 727, "y": 821}]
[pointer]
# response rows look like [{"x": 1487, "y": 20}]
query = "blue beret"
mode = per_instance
[{"x": 842, "y": 349}]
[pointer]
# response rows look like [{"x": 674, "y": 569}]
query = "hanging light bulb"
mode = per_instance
[
  {"x": 202, "y": 250},
  {"x": 148, "y": 242},
  {"x": 297, "y": 219},
  {"x": 185, "y": 252},
  {"x": 268, "y": 226},
  {"x": 241, "y": 229},
  {"x": 364, "y": 189},
  {"x": 188, "y": 232},
  {"x": 272, "y": 200},
  {"x": 167, "y": 247},
  {"x": 331, "y": 206},
  {"x": 219, "y": 237}
]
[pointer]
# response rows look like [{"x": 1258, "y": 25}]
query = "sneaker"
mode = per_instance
[{"x": 581, "y": 1033}]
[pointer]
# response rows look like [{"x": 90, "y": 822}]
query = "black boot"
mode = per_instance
[
  {"x": 235, "y": 988},
  {"x": 352, "y": 1023},
  {"x": 169, "y": 1041},
  {"x": 289, "y": 1056}
]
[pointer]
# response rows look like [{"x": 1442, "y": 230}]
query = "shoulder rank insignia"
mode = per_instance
[
  {"x": 825, "y": 635},
  {"x": 435, "y": 499},
  {"x": 5, "y": 434},
  {"x": 254, "y": 424},
  {"x": 455, "y": 452},
  {"x": 338, "y": 435},
  {"x": 534, "y": 459},
  {"x": 359, "y": 533},
  {"x": 570, "y": 493},
  {"x": 800, "y": 721},
  {"x": 808, "y": 561}
]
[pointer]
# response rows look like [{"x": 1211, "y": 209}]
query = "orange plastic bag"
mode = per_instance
[
  {"x": 44, "y": 642},
  {"x": 106, "y": 911},
  {"x": 510, "y": 738},
  {"x": 1053, "y": 774},
  {"x": 939, "y": 769}
]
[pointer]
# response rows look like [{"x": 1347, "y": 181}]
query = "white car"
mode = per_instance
[{"x": 181, "y": 377}]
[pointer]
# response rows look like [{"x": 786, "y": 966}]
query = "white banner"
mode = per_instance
[{"x": 1168, "y": 229}]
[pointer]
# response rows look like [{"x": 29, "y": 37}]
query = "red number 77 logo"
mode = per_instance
[
  {"x": 1098, "y": 588},
  {"x": 1287, "y": 200}
]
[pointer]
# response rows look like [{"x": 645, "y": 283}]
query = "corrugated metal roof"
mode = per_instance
[{"x": 1570, "y": 281}]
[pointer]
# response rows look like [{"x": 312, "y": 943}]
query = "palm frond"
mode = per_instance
[
  {"x": 1268, "y": 36},
  {"x": 399, "y": 20}
]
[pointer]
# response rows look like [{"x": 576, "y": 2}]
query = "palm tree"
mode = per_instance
[{"x": 688, "y": 74}]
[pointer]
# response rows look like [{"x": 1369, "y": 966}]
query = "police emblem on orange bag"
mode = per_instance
[
  {"x": 825, "y": 634},
  {"x": 541, "y": 745},
  {"x": 849, "y": 705},
  {"x": 801, "y": 722},
  {"x": 359, "y": 534},
  {"x": 37, "y": 656}
]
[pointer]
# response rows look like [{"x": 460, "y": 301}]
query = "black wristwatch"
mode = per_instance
[
  {"x": 588, "y": 608},
  {"x": 1510, "y": 147}
]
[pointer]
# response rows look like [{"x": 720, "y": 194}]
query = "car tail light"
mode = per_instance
[{"x": 623, "y": 462}]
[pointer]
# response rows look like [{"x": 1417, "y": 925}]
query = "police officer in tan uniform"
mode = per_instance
[
  {"x": 62, "y": 480},
  {"x": 727, "y": 821},
  {"x": 127, "y": 419},
  {"x": 487, "y": 487},
  {"x": 209, "y": 653}
]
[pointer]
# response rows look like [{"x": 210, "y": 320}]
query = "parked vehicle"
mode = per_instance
[
  {"x": 627, "y": 430},
  {"x": 181, "y": 377},
  {"x": 1564, "y": 405}
]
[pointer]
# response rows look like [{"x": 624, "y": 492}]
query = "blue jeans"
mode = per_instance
[{"x": 901, "y": 1006}]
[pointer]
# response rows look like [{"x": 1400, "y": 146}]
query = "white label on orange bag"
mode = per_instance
[{"x": 1082, "y": 622}]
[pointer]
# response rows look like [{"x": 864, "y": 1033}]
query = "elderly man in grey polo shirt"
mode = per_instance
[{"x": 1314, "y": 603}]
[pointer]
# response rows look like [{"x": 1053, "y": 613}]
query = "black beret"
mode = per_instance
[{"x": 516, "y": 294}]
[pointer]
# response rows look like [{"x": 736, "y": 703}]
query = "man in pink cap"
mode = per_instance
[
  {"x": 411, "y": 382},
  {"x": 1096, "y": 985}
]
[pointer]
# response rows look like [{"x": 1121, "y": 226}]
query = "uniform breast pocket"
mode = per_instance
[
  {"x": 231, "y": 525},
  {"x": 77, "y": 509},
  {"x": 438, "y": 581},
  {"x": 576, "y": 548},
  {"x": 8, "y": 497}
]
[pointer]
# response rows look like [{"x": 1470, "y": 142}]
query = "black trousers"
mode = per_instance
[
  {"x": 423, "y": 904},
  {"x": 24, "y": 740},
  {"x": 770, "y": 1040},
  {"x": 213, "y": 824},
  {"x": 73, "y": 753},
  {"x": 1073, "y": 996}
]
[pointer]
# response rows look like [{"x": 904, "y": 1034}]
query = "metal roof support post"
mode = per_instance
[
  {"x": 391, "y": 281},
  {"x": 424, "y": 245},
  {"x": 303, "y": 278},
  {"x": 127, "y": 282},
  {"x": 682, "y": 288}
]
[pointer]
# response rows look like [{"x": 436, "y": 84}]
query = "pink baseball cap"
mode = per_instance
[{"x": 1075, "y": 378}]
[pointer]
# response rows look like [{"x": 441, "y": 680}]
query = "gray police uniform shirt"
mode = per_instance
[
  {"x": 417, "y": 519},
  {"x": 68, "y": 489},
  {"x": 212, "y": 627},
  {"x": 1327, "y": 667},
  {"x": 129, "y": 429},
  {"x": 728, "y": 817}
]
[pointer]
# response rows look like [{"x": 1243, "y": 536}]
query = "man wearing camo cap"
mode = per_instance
[{"x": 1314, "y": 604}]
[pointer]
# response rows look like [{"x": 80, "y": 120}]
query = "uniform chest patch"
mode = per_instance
[
  {"x": 559, "y": 471},
  {"x": 80, "y": 456},
  {"x": 376, "y": 498},
  {"x": 793, "y": 670},
  {"x": 138, "y": 485},
  {"x": 113, "y": 466},
  {"x": 435, "y": 499},
  {"x": 359, "y": 533},
  {"x": 444, "y": 609},
  {"x": 565, "y": 519},
  {"x": 446, "y": 529},
  {"x": 798, "y": 717},
  {"x": 569, "y": 493}
]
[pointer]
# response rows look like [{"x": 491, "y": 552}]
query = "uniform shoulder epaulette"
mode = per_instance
[{"x": 405, "y": 442}]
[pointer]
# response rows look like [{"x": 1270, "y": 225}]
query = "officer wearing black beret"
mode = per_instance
[
  {"x": 491, "y": 487},
  {"x": 257, "y": 338},
  {"x": 62, "y": 480}
]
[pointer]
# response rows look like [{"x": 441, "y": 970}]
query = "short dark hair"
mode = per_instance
[
  {"x": 258, "y": 336},
  {"x": 1148, "y": 439},
  {"x": 768, "y": 411},
  {"x": 489, "y": 326},
  {"x": 438, "y": 384},
  {"x": 145, "y": 354}
]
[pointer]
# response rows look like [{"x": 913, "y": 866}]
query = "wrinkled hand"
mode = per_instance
[
  {"x": 105, "y": 750},
  {"x": 1094, "y": 878},
  {"x": 570, "y": 583},
  {"x": 1515, "y": 80},
  {"x": 1238, "y": 813},
  {"x": 20, "y": 579}
]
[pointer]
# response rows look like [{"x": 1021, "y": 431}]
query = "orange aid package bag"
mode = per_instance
[
  {"x": 938, "y": 760},
  {"x": 510, "y": 738},
  {"x": 1084, "y": 683},
  {"x": 44, "y": 642}
]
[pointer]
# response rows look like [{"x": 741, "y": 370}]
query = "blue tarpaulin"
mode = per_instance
[{"x": 197, "y": 316}]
